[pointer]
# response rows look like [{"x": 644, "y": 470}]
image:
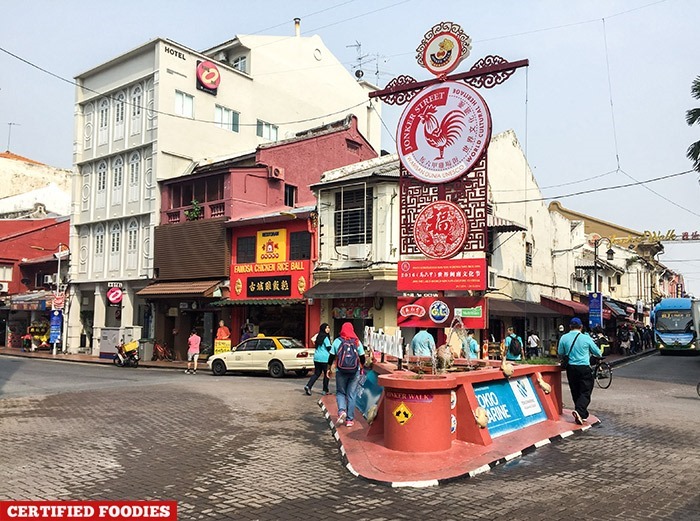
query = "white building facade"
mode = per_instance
[{"x": 142, "y": 118}]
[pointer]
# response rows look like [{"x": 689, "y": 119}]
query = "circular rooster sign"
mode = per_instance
[
  {"x": 443, "y": 132},
  {"x": 440, "y": 230}
]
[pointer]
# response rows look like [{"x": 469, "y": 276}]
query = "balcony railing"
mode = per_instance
[{"x": 210, "y": 210}]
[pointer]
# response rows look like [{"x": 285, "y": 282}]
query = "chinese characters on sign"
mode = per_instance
[
  {"x": 431, "y": 275},
  {"x": 280, "y": 286}
]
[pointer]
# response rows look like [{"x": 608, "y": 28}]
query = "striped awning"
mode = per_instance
[{"x": 499, "y": 224}]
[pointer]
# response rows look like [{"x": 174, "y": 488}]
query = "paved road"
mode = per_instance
[{"x": 241, "y": 447}]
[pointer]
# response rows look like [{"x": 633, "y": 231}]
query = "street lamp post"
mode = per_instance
[{"x": 610, "y": 256}]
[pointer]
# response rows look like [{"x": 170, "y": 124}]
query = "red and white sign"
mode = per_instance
[
  {"x": 114, "y": 296},
  {"x": 443, "y": 132},
  {"x": 439, "y": 311},
  {"x": 59, "y": 301},
  {"x": 208, "y": 75},
  {"x": 443, "y": 48},
  {"x": 435, "y": 275},
  {"x": 440, "y": 230}
]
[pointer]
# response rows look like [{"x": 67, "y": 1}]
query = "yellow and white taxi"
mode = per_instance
[{"x": 273, "y": 354}]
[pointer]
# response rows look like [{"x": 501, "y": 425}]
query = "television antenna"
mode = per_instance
[{"x": 9, "y": 133}]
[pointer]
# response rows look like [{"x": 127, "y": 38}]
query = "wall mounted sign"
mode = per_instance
[
  {"x": 114, "y": 294},
  {"x": 208, "y": 77},
  {"x": 271, "y": 246},
  {"x": 443, "y": 132},
  {"x": 443, "y": 48},
  {"x": 440, "y": 311},
  {"x": 441, "y": 230},
  {"x": 449, "y": 274},
  {"x": 280, "y": 286},
  {"x": 595, "y": 310}
]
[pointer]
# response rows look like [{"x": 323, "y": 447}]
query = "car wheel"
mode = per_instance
[
  {"x": 276, "y": 369},
  {"x": 218, "y": 368},
  {"x": 302, "y": 372}
]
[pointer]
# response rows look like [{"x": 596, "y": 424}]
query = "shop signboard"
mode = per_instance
[
  {"x": 115, "y": 294},
  {"x": 55, "y": 324},
  {"x": 442, "y": 274},
  {"x": 510, "y": 404},
  {"x": 595, "y": 310},
  {"x": 439, "y": 312},
  {"x": 222, "y": 346}
]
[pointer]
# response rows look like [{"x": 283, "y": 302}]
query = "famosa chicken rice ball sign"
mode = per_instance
[{"x": 443, "y": 132}]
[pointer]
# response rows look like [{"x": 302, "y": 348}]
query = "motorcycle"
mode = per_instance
[{"x": 127, "y": 355}]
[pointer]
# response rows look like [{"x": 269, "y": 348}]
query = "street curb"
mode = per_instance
[
  {"x": 90, "y": 360},
  {"x": 436, "y": 482},
  {"x": 643, "y": 354}
]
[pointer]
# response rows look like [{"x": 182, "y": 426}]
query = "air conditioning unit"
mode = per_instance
[
  {"x": 275, "y": 172},
  {"x": 49, "y": 279},
  {"x": 357, "y": 251},
  {"x": 222, "y": 56},
  {"x": 493, "y": 277},
  {"x": 4, "y": 287}
]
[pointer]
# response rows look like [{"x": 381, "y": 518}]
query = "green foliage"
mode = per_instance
[
  {"x": 195, "y": 212},
  {"x": 692, "y": 117},
  {"x": 541, "y": 360}
]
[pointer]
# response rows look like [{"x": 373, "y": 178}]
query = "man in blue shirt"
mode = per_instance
[
  {"x": 423, "y": 344},
  {"x": 579, "y": 373},
  {"x": 470, "y": 347}
]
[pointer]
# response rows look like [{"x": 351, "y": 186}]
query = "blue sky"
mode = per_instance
[{"x": 602, "y": 103}]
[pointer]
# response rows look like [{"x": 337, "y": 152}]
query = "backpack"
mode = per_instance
[
  {"x": 348, "y": 356},
  {"x": 515, "y": 348}
]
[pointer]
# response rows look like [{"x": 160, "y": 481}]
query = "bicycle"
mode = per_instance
[
  {"x": 698, "y": 388},
  {"x": 162, "y": 352},
  {"x": 602, "y": 373}
]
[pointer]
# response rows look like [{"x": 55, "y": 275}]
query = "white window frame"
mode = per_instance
[
  {"x": 184, "y": 104},
  {"x": 240, "y": 63},
  {"x": 136, "y": 100},
  {"x": 134, "y": 176},
  {"x": 115, "y": 246},
  {"x": 266, "y": 130},
  {"x": 85, "y": 188},
  {"x": 103, "y": 122},
  {"x": 99, "y": 256},
  {"x": 117, "y": 181},
  {"x": 6, "y": 272},
  {"x": 132, "y": 245},
  {"x": 227, "y": 118},
  {"x": 88, "y": 126},
  {"x": 119, "y": 118},
  {"x": 101, "y": 185}
]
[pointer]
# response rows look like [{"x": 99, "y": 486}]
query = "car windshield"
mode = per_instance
[
  {"x": 674, "y": 321},
  {"x": 291, "y": 343}
]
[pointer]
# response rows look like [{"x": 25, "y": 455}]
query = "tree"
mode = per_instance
[{"x": 692, "y": 117}]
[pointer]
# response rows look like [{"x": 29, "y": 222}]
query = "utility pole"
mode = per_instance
[{"x": 9, "y": 134}]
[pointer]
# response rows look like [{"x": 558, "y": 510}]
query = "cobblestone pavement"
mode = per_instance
[{"x": 254, "y": 448}]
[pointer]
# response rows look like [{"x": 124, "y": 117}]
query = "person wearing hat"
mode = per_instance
[{"x": 578, "y": 348}]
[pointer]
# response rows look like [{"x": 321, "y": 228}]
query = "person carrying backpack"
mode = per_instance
[
  {"x": 349, "y": 356},
  {"x": 514, "y": 346}
]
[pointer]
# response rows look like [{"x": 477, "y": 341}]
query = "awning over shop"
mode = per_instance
[
  {"x": 189, "y": 288},
  {"x": 353, "y": 288},
  {"x": 518, "y": 308},
  {"x": 617, "y": 310},
  {"x": 500, "y": 224},
  {"x": 258, "y": 302},
  {"x": 564, "y": 307},
  {"x": 33, "y": 300}
]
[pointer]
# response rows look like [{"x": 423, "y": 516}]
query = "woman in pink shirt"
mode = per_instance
[{"x": 193, "y": 351}]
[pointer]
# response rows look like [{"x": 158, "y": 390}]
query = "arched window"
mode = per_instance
[
  {"x": 101, "y": 185},
  {"x": 99, "y": 247},
  {"x": 117, "y": 180},
  {"x": 115, "y": 245},
  {"x": 88, "y": 125},
  {"x": 119, "y": 109},
  {"x": 132, "y": 243},
  {"x": 103, "y": 122},
  {"x": 134, "y": 176},
  {"x": 85, "y": 188},
  {"x": 136, "y": 109}
]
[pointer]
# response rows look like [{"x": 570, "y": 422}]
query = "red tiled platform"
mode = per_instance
[{"x": 368, "y": 458}]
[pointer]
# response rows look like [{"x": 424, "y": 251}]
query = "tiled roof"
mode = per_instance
[{"x": 9, "y": 155}]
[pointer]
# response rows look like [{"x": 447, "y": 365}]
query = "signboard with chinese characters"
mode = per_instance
[
  {"x": 276, "y": 286},
  {"x": 443, "y": 274},
  {"x": 440, "y": 311}
]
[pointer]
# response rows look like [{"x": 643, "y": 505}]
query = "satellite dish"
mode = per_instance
[{"x": 359, "y": 74}]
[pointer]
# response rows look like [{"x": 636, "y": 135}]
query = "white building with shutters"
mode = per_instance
[{"x": 141, "y": 118}]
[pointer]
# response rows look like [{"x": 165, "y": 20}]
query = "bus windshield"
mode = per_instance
[{"x": 680, "y": 321}]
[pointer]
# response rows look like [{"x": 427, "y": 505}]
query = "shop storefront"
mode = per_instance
[{"x": 28, "y": 322}]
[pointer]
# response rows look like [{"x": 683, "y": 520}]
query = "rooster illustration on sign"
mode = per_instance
[{"x": 441, "y": 134}]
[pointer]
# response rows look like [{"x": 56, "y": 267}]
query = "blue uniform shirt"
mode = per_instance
[
  {"x": 336, "y": 346},
  {"x": 423, "y": 344},
  {"x": 581, "y": 352},
  {"x": 472, "y": 345},
  {"x": 323, "y": 351},
  {"x": 507, "y": 342}
]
